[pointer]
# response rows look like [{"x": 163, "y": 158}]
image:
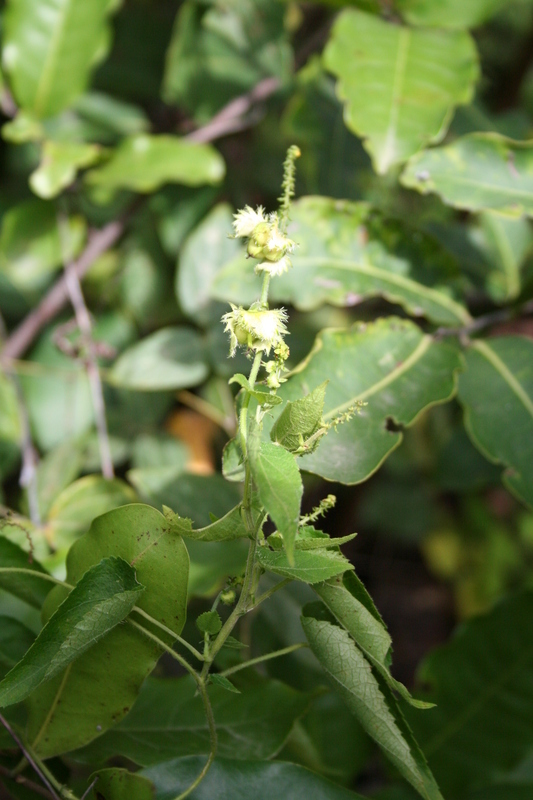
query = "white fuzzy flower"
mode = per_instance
[
  {"x": 277, "y": 245},
  {"x": 246, "y": 220},
  {"x": 275, "y": 267},
  {"x": 257, "y": 329}
]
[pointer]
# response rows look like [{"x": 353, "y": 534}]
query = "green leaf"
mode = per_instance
[
  {"x": 60, "y": 162},
  {"x": 260, "y": 393},
  {"x": 310, "y": 538},
  {"x": 345, "y": 254},
  {"x": 104, "y": 597},
  {"x": 111, "y": 672},
  {"x": 50, "y": 48},
  {"x": 15, "y": 639},
  {"x": 224, "y": 683},
  {"x": 481, "y": 683},
  {"x": 144, "y": 163},
  {"x": 449, "y": 13},
  {"x": 209, "y": 622},
  {"x": 300, "y": 419},
  {"x": 389, "y": 364},
  {"x": 506, "y": 243},
  {"x": 370, "y": 700},
  {"x": 310, "y": 566},
  {"x": 496, "y": 391},
  {"x": 204, "y": 252},
  {"x": 343, "y": 598},
  {"x": 479, "y": 171},
  {"x": 230, "y": 526},
  {"x": 232, "y": 463},
  {"x": 279, "y": 484},
  {"x": 30, "y": 245},
  {"x": 168, "y": 720},
  {"x": 31, "y": 590},
  {"x": 170, "y": 358},
  {"x": 230, "y": 779},
  {"x": 400, "y": 85},
  {"x": 120, "y": 784}
]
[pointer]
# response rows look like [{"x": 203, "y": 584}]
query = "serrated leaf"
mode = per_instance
[
  {"x": 209, "y": 622},
  {"x": 230, "y": 526},
  {"x": 400, "y": 85},
  {"x": 309, "y": 538},
  {"x": 342, "y": 597},
  {"x": 50, "y": 48},
  {"x": 477, "y": 172},
  {"x": 168, "y": 720},
  {"x": 280, "y": 488},
  {"x": 481, "y": 683},
  {"x": 389, "y": 364},
  {"x": 224, "y": 683},
  {"x": 261, "y": 394},
  {"x": 370, "y": 701},
  {"x": 111, "y": 672},
  {"x": 103, "y": 597},
  {"x": 344, "y": 257},
  {"x": 143, "y": 163},
  {"x": 309, "y": 566},
  {"x": 60, "y": 162},
  {"x": 13, "y": 558},
  {"x": 120, "y": 784},
  {"x": 449, "y": 13},
  {"x": 300, "y": 419},
  {"x": 170, "y": 358},
  {"x": 496, "y": 391}
]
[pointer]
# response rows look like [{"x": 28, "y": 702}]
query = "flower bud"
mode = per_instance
[
  {"x": 258, "y": 329},
  {"x": 246, "y": 220}
]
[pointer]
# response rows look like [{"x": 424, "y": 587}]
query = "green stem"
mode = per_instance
[
  {"x": 184, "y": 663},
  {"x": 213, "y": 739},
  {"x": 64, "y": 791},
  {"x": 273, "y": 590},
  {"x": 260, "y": 659},
  {"x": 35, "y": 574},
  {"x": 172, "y": 633}
]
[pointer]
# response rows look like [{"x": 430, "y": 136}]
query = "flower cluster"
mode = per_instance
[
  {"x": 258, "y": 329},
  {"x": 265, "y": 241}
]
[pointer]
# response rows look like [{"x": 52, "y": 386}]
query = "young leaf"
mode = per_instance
[
  {"x": 400, "y": 85},
  {"x": 280, "y": 488},
  {"x": 300, "y": 419},
  {"x": 144, "y": 163},
  {"x": 310, "y": 566},
  {"x": 370, "y": 700},
  {"x": 261, "y": 394},
  {"x": 496, "y": 391},
  {"x": 168, "y": 720},
  {"x": 232, "y": 463},
  {"x": 104, "y": 597},
  {"x": 50, "y": 49},
  {"x": 209, "y": 622},
  {"x": 310, "y": 538},
  {"x": 224, "y": 683},
  {"x": 477, "y": 172},
  {"x": 389, "y": 364},
  {"x": 170, "y": 358},
  {"x": 230, "y": 526},
  {"x": 60, "y": 161},
  {"x": 120, "y": 784},
  {"x": 231, "y": 779},
  {"x": 13, "y": 558},
  {"x": 111, "y": 672}
]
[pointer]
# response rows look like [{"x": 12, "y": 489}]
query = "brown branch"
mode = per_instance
[
  {"x": 29, "y": 758},
  {"x": 34, "y": 787},
  {"x": 230, "y": 119},
  {"x": 90, "y": 361}
]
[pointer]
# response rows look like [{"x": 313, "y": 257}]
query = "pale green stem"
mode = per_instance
[
  {"x": 273, "y": 590},
  {"x": 172, "y": 633},
  {"x": 35, "y": 574},
  {"x": 64, "y": 791},
  {"x": 183, "y": 661},
  {"x": 260, "y": 659},
  {"x": 213, "y": 739}
]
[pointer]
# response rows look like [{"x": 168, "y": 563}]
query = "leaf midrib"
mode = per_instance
[
  {"x": 419, "y": 351},
  {"x": 44, "y": 86},
  {"x": 516, "y": 387},
  {"x": 386, "y": 157},
  {"x": 439, "y": 298}
]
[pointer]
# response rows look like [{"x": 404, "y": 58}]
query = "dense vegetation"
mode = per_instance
[{"x": 266, "y": 279}]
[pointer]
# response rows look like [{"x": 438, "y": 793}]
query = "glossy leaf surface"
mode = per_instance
[{"x": 400, "y": 85}]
